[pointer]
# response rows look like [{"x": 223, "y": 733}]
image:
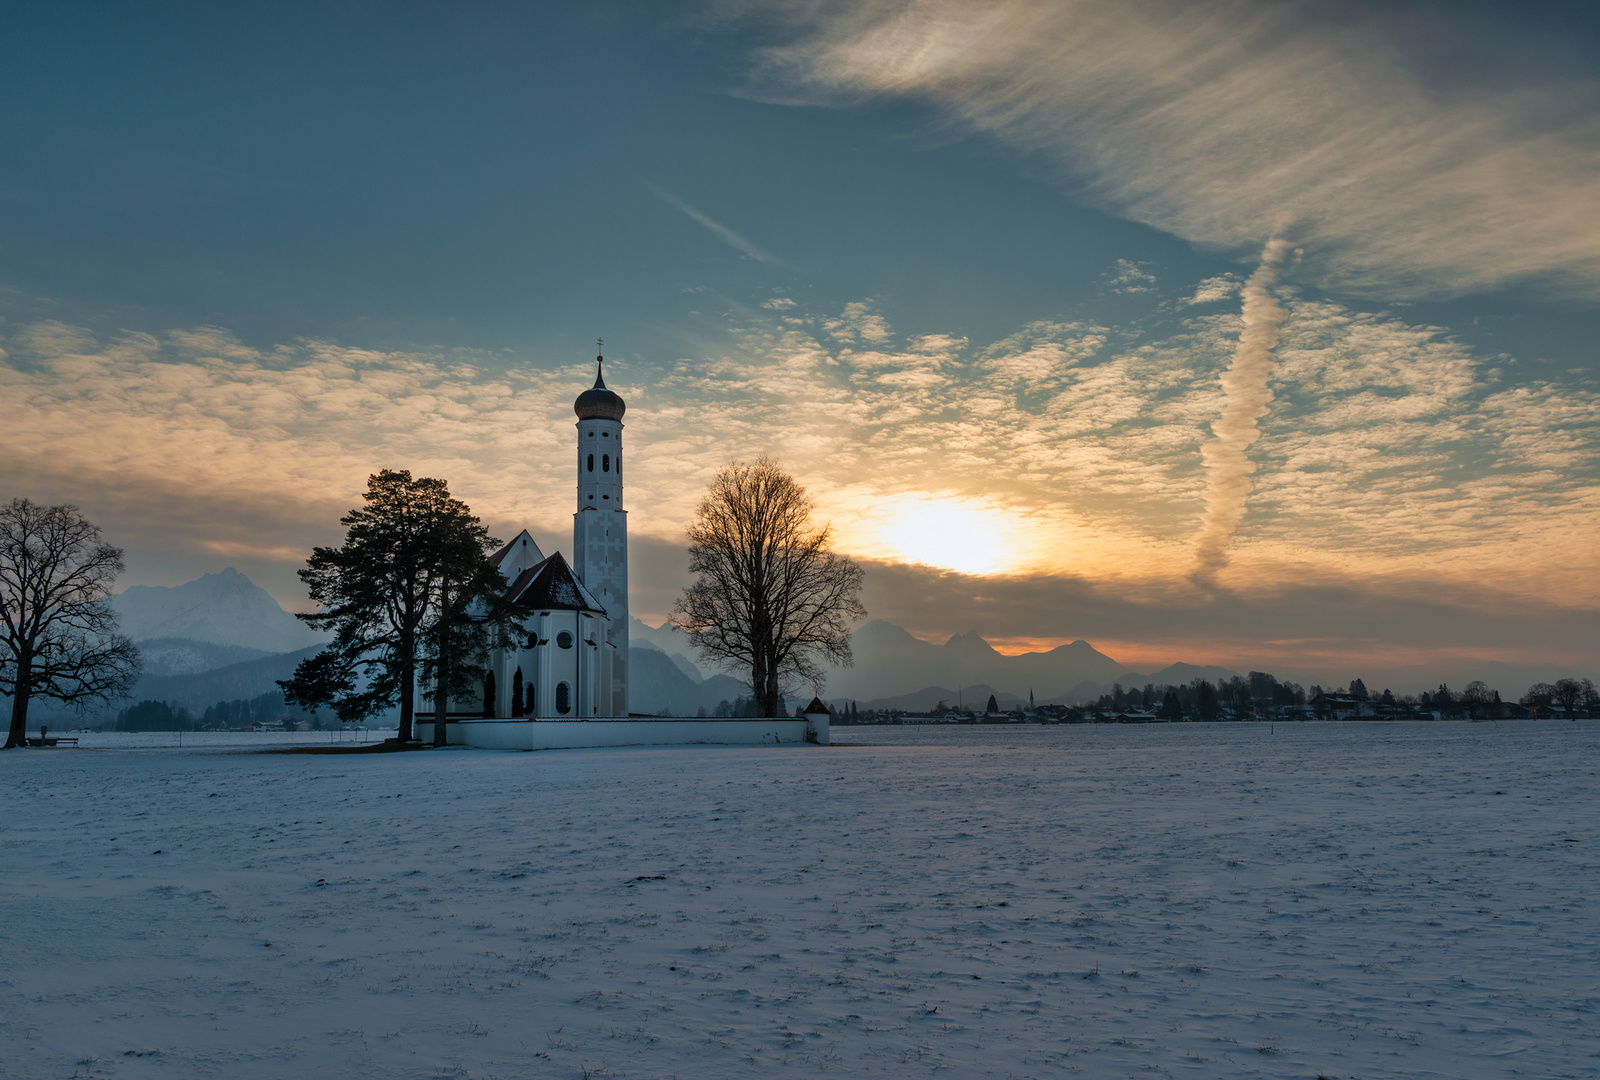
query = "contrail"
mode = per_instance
[
  {"x": 718, "y": 229},
  {"x": 1247, "y": 394}
]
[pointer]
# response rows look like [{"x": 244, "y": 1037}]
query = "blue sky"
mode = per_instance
[{"x": 973, "y": 271}]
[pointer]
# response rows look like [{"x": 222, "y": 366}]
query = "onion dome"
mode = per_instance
[{"x": 598, "y": 403}]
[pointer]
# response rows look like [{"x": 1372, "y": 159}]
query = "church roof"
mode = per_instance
[
  {"x": 552, "y": 585},
  {"x": 598, "y": 403},
  {"x": 522, "y": 539}
]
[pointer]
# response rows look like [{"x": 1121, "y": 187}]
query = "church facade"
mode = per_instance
[
  {"x": 571, "y": 663},
  {"x": 569, "y": 667}
]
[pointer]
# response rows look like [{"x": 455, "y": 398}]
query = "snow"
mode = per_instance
[{"x": 1186, "y": 900}]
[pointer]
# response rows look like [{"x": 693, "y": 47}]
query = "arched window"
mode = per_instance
[
  {"x": 563, "y": 698},
  {"x": 564, "y": 640},
  {"x": 533, "y": 641},
  {"x": 605, "y": 462},
  {"x": 591, "y": 463}
]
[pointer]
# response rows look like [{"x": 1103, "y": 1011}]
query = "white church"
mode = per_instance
[
  {"x": 564, "y": 682},
  {"x": 573, "y": 661}
]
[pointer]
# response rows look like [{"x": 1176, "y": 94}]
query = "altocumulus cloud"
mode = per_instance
[
  {"x": 1390, "y": 451},
  {"x": 1391, "y": 454}
]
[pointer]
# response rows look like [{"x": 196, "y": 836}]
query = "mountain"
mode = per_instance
[
  {"x": 1183, "y": 675},
  {"x": 659, "y": 687},
  {"x": 891, "y": 662},
  {"x": 225, "y": 608},
  {"x": 185, "y": 656},
  {"x": 670, "y": 640},
  {"x": 243, "y": 680}
]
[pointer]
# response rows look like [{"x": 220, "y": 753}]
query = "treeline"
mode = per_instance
[
  {"x": 1260, "y": 693},
  {"x": 1201, "y": 700},
  {"x": 235, "y": 715}
]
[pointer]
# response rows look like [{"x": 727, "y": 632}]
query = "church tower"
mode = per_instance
[{"x": 600, "y": 530}]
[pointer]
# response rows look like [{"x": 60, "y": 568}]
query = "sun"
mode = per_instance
[{"x": 951, "y": 533}]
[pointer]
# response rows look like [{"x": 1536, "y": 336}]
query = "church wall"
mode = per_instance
[
  {"x": 547, "y": 666},
  {"x": 577, "y": 734}
]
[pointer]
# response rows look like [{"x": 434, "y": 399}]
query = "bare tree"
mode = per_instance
[
  {"x": 1478, "y": 697},
  {"x": 770, "y": 596},
  {"x": 1569, "y": 694},
  {"x": 59, "y": 639}
]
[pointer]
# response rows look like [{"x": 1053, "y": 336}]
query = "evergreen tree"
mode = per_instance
[
  {"x": 1170, "y": 709},
  {"x": 488, "y": 695},
  {"x": 516, "y": 692},
  {"x": 392, "y": 587}
]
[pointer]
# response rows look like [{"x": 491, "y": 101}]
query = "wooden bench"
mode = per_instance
[{"x": 54, "y": 740}]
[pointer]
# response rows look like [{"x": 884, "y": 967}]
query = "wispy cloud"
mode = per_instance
[
  {"x": 718, "y": 229},
  {"x": 1227, "y": 123}
]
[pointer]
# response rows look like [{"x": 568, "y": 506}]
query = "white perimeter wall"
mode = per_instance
[{"x": 572, "y": 734}]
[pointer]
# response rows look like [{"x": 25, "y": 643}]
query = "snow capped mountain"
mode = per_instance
[{"x": 225, "y": 608}]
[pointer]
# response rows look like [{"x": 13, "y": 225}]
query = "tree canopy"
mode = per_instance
[
  {"x": 59, "y": 636},
  {"x": 770, "y": 599}
]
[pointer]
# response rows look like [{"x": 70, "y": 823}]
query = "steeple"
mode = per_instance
[{"x": 599, "y": 403}]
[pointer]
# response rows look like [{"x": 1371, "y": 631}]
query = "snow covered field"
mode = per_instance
[{"x": 1344, "y": 900}]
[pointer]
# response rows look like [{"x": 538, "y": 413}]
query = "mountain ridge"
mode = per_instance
[{"x": 224, "y": 608}]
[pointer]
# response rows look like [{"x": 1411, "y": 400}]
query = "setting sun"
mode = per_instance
[{"x": 963, "y": 535}]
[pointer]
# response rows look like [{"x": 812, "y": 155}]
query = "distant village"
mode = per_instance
[
  {"x": 1255, "y": 697},
  {"x": 1258, "y": 697}
]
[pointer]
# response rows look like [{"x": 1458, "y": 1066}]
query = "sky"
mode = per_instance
[{"x": 1242, "y": 333}]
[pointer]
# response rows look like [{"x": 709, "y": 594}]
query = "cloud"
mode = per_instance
[
  {"x": 719, "y": 230},
  {"x": 1127, "y": 277},
  {"x": 1227, "y": 123},
  {"x": 1214, "y": 289},
  {"x": 1391, "y": 460}
]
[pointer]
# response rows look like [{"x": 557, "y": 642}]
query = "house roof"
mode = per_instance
[{"x": 552, "y": 585}]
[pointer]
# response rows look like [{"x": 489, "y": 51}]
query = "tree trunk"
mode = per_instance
[
  {"x": 408, "y": 688},
  {"x": 19, "y": 715},
  {"x": 441, "y": 697}
]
